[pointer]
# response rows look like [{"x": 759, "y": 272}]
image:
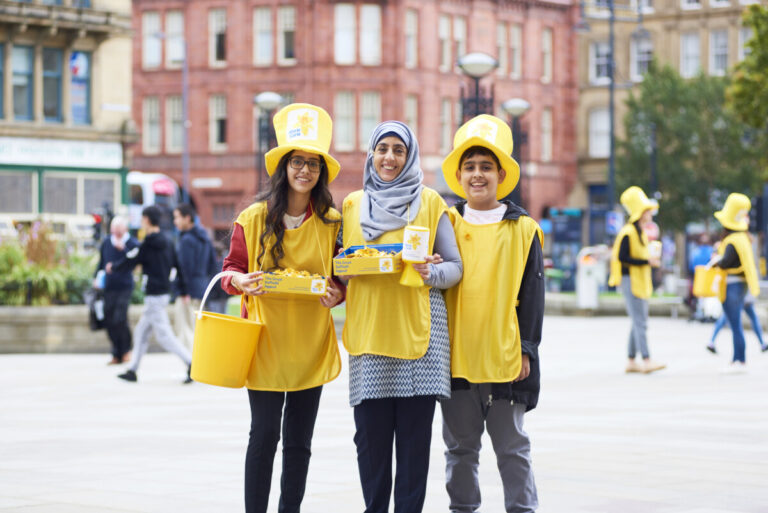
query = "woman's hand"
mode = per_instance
[
  {"x": 332, "y": 295},
  {"x": 423, "y": 269},
  {"x": 251, "y": 284},
  {"x": 344, "y": 279}
]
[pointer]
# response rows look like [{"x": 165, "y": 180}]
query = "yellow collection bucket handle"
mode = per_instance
[{"x": 213, "y": 281}]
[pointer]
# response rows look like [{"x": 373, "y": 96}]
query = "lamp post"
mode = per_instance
[
  {"x": 515, "y": 108},
  {"x": 476, "y": 65},
  {"x": 266, "y": 102}
]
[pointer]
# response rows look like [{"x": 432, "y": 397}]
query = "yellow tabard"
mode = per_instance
[
  {"x": 384, "y": 317},
  {"x": 639, "y": 275},
  {"x": 482, "y": 318},
  {"x": 298, "y": 347},
  {"x": 740, "y": 241}
]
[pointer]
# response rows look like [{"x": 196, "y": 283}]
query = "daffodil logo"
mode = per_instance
[
  {"x": 484, "y": 129},
  {"x": 385, "y": 265},
  {"x": 318, "y": 287},
  {"x": 414, "y": 241},
  {"x": 302, "y": 124}
]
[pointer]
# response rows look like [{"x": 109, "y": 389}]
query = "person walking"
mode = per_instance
[
  {"x": 118, "y": 288},
  {"x": 735, "y": 257},
  {"x": 397, "y": 336},
  {"x": 156, "y": 257},
  {"x": 197, "y": 261},
  {"x": 631, "y": 263},
  {"x": 749, "y": 309},
  {"x": 495, "y": 316},
  {"x": 292, "y": 225}
]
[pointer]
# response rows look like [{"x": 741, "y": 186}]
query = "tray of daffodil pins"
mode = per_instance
[
  {"x": 370, "y": 259},
  {"x": 291, "y": 281}
]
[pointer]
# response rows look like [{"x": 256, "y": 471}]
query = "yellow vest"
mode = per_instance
[
  {"x": 384, "y": 317},
  {"x": 639, "y": 275},
  {"x": 740, "y": 241},
  {"x": 482, "y": 315},
  {"x": 298, "y": 347}
]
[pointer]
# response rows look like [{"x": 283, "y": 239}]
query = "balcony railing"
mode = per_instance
[{"x": 66, "y": 17}]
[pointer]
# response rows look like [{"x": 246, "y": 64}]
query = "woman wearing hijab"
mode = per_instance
[{"x": 397, "y": 336}]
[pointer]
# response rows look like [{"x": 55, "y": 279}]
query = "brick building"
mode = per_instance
[{"x": 363, "y": 62}]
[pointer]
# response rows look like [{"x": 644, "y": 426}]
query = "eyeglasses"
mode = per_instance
[{"x": 298, "y": 163}]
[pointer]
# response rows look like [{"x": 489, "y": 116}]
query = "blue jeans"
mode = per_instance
[
  {"x": 733, "y": 305},
  {"x": 749, "y": 308}
]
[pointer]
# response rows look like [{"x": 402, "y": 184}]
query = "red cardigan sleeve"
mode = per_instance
[{"x": 236, "y": 260}]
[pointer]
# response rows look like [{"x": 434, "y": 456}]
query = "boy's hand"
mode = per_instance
[
  {"x": 332, "y": 295},
  {"x": 251, "y": 284},
  {"x": 108, "y": 268},
  {"x": 525, "y": 370},
  {"x": 423, "y": 269}
]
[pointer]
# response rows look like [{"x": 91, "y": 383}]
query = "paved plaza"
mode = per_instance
[{"x": 689, "y": 439}]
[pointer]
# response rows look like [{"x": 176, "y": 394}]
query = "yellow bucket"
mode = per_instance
[
  {"x": 223, "y": 345},
  {"x": 707, "y": 281}
]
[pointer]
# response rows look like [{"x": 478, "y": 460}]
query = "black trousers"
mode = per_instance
[
  {"x": 116, "y": 320},
  {"x": 408, "y": 422},
  {"x": 298, "y": 423}
]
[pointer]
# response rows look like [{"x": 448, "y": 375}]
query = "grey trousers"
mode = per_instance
[
  {"x": 638, "y": 312},
  {"x": 465, "y": 416},
  {"x": 155, "y": 318}
]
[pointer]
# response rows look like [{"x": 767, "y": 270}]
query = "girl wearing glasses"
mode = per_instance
[
  {"x": 292, "y": 225},
  {"x": 397, "y": 336}
]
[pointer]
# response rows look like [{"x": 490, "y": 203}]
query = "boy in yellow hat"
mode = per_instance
[
  {"x": 495, "y": 317},
  {"x": 631, "y": 263}
]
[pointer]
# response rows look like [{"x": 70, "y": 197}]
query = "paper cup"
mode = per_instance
[
  {"x": 415, "y": 243},
  {"x": 654, "y": 248}
]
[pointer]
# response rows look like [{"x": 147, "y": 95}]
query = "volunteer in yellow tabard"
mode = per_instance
[
  {"x": 495, "y": 316},
  {"x": 734, "y": 255},
  {"x": 397, "y": 335},
  {"x": 631, "y": 263},
  {"x": 292, "y": 225}
]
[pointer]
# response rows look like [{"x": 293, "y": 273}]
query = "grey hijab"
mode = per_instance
[{"x": 385, "y": 205}]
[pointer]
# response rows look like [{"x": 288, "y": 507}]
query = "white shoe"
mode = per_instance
[{"x": 735, "y": 368}]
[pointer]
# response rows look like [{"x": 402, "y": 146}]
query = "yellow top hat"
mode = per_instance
[
  {"x": 635, "y": 202},
  {"x": 489, "y": 132},
  {"x": 305, "y": 127},
  {"x": 735, "y": 213}
]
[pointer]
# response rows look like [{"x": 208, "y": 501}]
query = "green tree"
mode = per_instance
[
  {"x": 703, "y": 152},
  {"x": 748, "y": 93}
]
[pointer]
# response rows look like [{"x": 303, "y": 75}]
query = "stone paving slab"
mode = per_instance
[{"x": 688, "y": 439}]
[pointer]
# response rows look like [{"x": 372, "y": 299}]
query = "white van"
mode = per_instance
[{"x": 145, "y": 189}]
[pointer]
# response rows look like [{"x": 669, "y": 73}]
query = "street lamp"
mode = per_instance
[
  {"x": 476, "y": 65},
  {"x": 266, "y": 102},
  {"x": 515, "y": 108}
]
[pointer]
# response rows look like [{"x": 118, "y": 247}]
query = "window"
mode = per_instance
[
  {"x": 691, "y": 4},
  {"x": 412, "y": 113},
  {"x": 718, "y": 52},
  {"x": 52, "y": 68},
  {"x": 370, "y": 116},
  {"x": 80, "y": 87},
  {"x": 641, "y": 54},
  {"x": 411, "y": 38},
  {"x": 546, "y": 135},
  {"x": 515, "y": 47},
  {"x": 174, "y": 124},
  {"x": 96, "y": 192},
  {"x": 77, "y": 193},
  {"x": 720, "y": 3},
  {"x": 599, "y": 133},
  {"x": 501, "y": 48},
  {"x": 646, "y": 6},
  {"x": 150, "y": 133},
  {"x": 262, "y": 36},
  {"x": 151, "y": 47},
  {"x": 460, "y": 37},
  {"x": 59, "y": 194},
  {"x": 344, "y": 121},
  {"x": 690, "y": 60},
  {"x": 22, "y": 58},
  {"x": 599, "y": 63},
  {"x": 217, "y": 37},
  {"x": 546, "y": 56},
  {"x": 344, "y": 34},
  {"x": 223, "y": 213},
  {"x": 370, "y": 34},
  {"x": 444, "y": 33},
  {"x": 174, "y": 39},
  {"x": 16, "y": 192},
  {"x": 218, "y": 122},
  {"x": 745, "y": 34},
  {"x": 286, "y": 35},
  {"x": 446, "y": 127}
]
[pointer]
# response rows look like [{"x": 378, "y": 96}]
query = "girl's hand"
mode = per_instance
[
  {"x": 423, "y": 269},
  {"x": 250, "y": 284},
  {"x": 332, "y": 295},
  {"x": 344, "y": 279}
]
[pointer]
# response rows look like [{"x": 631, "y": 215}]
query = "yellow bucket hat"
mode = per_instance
[
  {"x": 489, "y": 132},
  {"x": 735, "y": 213},
  {"x": 635, "y": 202},
  {"x": 305, "y": 127}
]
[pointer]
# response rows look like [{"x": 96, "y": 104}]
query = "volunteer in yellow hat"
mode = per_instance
[
  {"x": 291, "y": 225},
  {"x": 495, "y": 317},
  {"x": 631, "y": 262},
  {"x": 735, "y": 257}
]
